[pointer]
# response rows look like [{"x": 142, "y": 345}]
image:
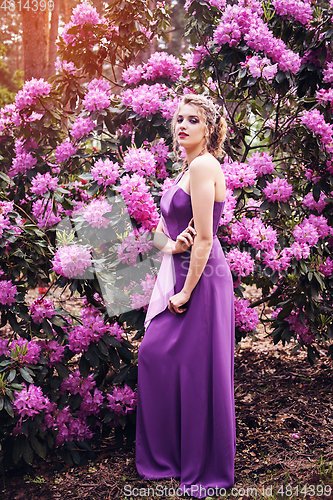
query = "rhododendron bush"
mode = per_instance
[{"x": 83, "y": 167}]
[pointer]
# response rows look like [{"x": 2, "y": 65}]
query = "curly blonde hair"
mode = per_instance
[{"x": 216, "y": 126}]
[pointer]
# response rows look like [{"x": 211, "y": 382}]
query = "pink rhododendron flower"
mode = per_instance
[
  {"x": 46, "y": 218},
  {"x": 241, "y": 263},
  {"x": 122, "y": 400},
  {"x": 71, "y": 261},
  {"x": 141, "y": 299},
  {"x": 328, "y": 73},
  {"x": 301, "y": 11},
  {"x": 310, "y": 202},
  {"x": 278, "y": 190},
  {"x": 262, "y": 163},
  {"x": 139, "y": 160},
  {"x": 238, "y": 175},
  {"x": 105, "y": 172},
  {"x": 43, "y": 183},
  {"x": 40, "y": 309},
  {"x": 326, "y": 268},
  {"x": 315, "y": 121},
  {"x": 64, "y": 151},
  {"x": 82, "y": 127},
  {"x": 297, "y": 326},
  {"x": 23, "y": 160},
  {"x": 52, "y": 351},
  {"x": 139, "y": 201},
  {"x": 31, "y": 347},
  {"x": 65, "y": 66},
  {"x": 7, "y": 292},
  {"x": 260, "y": 67},
  {"x": 30, "y": 402},
  {"x": 133, "y": 244},
  {"x": 94, "y": 212},
  {"x": 246, "y": 318},
  {"x": 229, "y": 208},
  {"x": 239, "y": 21},
  {"x": 32, "y": 90}
]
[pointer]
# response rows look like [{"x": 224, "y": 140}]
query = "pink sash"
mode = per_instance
[{"x": 164, "y": 285}]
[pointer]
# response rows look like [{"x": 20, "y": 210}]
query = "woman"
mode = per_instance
[{"x": 185, "y": 414}]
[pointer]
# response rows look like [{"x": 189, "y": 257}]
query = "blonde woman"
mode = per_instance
[{"x": 185, "y": 414}]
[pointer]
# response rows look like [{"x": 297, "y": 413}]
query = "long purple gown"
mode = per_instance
[{"x": 185, "y": 411}]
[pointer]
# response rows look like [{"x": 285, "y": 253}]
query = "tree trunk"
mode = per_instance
[
  {"x": 34, "y": 44},
  {"x": 52, "y": 39}
]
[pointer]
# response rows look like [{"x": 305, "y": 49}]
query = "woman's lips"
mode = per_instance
[{"x": 182, "y": 134}]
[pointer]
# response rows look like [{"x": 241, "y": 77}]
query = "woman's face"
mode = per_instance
[{"x": 190, "y": 128}]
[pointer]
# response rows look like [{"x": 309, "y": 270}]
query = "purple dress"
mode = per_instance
[{"x": 185, "y": 412}]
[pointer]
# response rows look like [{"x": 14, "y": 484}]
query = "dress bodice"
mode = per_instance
[{"x": 176, "y": 210}]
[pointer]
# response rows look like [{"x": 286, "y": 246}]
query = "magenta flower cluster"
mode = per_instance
[
  {"x": 262, "y": 163},
  {"x": 95, "y": 211},
  {"x": 52, "y": 350},
  {"x": 260, "y": 67},
  {"x": 246, "y": 318},
  {"x": 140, "y": 160},
  {"x": 149, "y": 99},
  {"x": 139, "y": 300},
  {"x": 91, "y": 330},
  {"x": 278, "y": 190},
  {"x": 139, "y": 201},
  {"x": 122, "y": 400},
  {"x": 32, "y": 90},
  {"x": 43, "y": 212},
  {"x": 24, "y": 351},
  {"x": 7, "y": 292},
  {"x": 42, "y": 183},
  {"x": 239, "y": 21},
  {"x": 23, "y": 161},
  {"x": 30, "y": 402},
  {"x": 84, "y": 13},
  {"x": 5, "y": 223},
  {"x": 159, "y": 65},
  {"x": 98, "y": 95},
  {"x": 301, "y": 11},
  {"x": 71, "y": 261},
  {"x": 40, "y": 309},
  {"x": 241, "y": 263},
  {"x": 315, "y": 121},
  {"x": 82, "y": 127},
  {"x": 238, "y": 175},
  {"x": 133, "y": 244},
  {"x": 105, "y": 172}
]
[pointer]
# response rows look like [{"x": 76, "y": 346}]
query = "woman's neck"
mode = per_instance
[{"x": 190, "y": 155}]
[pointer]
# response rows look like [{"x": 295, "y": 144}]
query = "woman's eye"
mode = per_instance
[
  {"x": 194, "y": 120},
  {"x": 179, "y": 120}
]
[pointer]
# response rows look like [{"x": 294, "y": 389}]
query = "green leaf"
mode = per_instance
[
  {"x": 28, "y": 454},
  {"x": 38, "y": 447},
  {"x": 84, "y": 367},
  {"x": 26, "y": 375},
  {"x": 62, "y": 370},
  {"x": 11, "y": 376},
  {"x": 47, "y": 329},
  {"x": 285, "y": 311},
  {"x": 18, "y": 449}
]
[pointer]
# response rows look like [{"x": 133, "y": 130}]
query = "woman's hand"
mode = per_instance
[
  {"x": 177, "y": 300},
  {"x": 185, "y": 239}
]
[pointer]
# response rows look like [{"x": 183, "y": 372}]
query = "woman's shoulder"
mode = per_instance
[{"x": 207, "y": 163}]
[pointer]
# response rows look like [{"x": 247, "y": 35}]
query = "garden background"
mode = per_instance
[{"x": 87, "y": 94}]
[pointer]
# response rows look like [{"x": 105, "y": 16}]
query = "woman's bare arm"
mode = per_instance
[{"x": 202, "y": 172}]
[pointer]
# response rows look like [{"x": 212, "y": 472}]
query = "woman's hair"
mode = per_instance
[{"x": 216, "y": 126}]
